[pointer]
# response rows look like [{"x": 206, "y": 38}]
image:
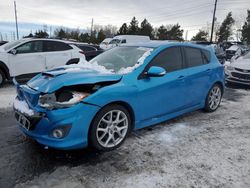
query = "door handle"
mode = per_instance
[{"x": 181, "y": 77}]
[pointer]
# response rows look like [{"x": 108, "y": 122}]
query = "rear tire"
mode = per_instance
[
  {"x": 110, "y": 128},
  {"x": 213, "y": 98},
  {"x": 2, "y": 78}
]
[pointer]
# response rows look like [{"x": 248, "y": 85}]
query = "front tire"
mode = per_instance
[
  {"x": 2, "y": 78},
  {"x": 213, "y": 98},
  {"x": 110, "y": 127}
]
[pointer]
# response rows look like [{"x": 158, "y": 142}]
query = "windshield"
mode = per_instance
[
  {"x": 122, "y": 59},
  {"x": 10, "y": 45},
  {"x": 247, "y": 56}
]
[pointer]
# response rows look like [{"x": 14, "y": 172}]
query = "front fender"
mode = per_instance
[{"x": 115, "y": 93}]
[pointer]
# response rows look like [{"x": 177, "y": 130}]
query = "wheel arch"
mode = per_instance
[
  {"x": 73, "y": 61},
  {"x": 123, "y": 104},
  {"x": 5, "y": 69},
  {"x": 221, "y": 86}
]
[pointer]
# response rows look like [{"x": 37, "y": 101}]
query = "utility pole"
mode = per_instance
[
  {"x": 16, "y": 21},
  {"x": 92, "y": 24},
  {"x": 186, "y": 37},
  {"x": 212, "y": 30}
]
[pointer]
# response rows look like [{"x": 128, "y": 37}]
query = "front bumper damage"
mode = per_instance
[{"x": 39, "y": 124}]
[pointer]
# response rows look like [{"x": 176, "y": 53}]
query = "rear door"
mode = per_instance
[
  {"x": 57, "y": 53},
  {"x": 199, "y": 73},
  {"x": 29, "y": 59}
]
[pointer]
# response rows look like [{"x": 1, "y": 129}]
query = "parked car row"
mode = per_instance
[{"x": 27, "y": 57}]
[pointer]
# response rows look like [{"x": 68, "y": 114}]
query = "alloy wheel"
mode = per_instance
[
  {"x": 112, "y": 128},
  {"x": 214, "y": 97}
]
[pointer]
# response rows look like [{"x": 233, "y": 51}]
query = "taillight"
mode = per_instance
[{"x": 82, "y": 52}]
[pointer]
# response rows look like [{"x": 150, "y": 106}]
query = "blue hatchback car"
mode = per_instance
[{"x": 127, "y": 88}]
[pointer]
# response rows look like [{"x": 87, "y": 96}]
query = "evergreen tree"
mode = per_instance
[
  {"x": 123, "y": 30},
  {"x": 60, "y": 33},
  {"x": 100, "y": 37},
  {"x": 84, "y": 37},
  {"x": 225, "y": 30},
  {"x": 74, "y": 34},
  {"x": 41, "y": 34},
  {"x": 246, "y": 29},
  {"x": 175, "y": 33},
  {"x": 200, "y": 36},
  {"x": 29, "y": 36},
  {"x": 146, "y": 28},
  {"x": 162, "y": 33},
  {"x": 133, "y": 27}
]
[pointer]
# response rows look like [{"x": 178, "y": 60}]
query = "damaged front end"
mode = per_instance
[{"x": 51, "y": 108}]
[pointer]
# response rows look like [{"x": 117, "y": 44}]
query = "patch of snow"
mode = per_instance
[
  {"x": 23, "y": 107},
  {"x": 139, "y": 62},
  {"x": 92, "y": 66}
]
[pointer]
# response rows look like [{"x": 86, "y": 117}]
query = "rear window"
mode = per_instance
[
  {"x": 50, "y": 46},
  {"x": 193, "y": 56}
]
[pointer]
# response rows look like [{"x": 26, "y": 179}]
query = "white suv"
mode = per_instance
[{"x": 27, "y": 57}]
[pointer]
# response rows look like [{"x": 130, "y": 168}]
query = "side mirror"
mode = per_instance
[
  {"x": 13, "y": 51},
  {"x": 155, "y": 71}
]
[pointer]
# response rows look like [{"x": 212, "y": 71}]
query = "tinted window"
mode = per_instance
[
  {"x": 124, "y": 41},
  {"x": 30, "y": 47},
  {"x": 86, "y": 48},
  {"x": 206, "y": 56},
  {"x": 51, "y": 46},
  {"x": 194, "y": 57},
  {"x": 170, "y": 59}
]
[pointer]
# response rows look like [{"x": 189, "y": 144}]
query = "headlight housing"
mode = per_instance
[
  {"x": 229, "y": 68},
  {"x": 62, "y": 99}
]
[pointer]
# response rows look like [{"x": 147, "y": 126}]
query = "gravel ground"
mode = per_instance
[{"x": 195, "y": 150}]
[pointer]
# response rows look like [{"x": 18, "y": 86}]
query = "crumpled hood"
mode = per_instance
[
  {"x": 50, "y": 81},
  {"x": 241, "y": 64}
]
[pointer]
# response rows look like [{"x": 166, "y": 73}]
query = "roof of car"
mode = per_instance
[
  {"x": 156, "y": 44},
  {"x": 47, "y": 39}
]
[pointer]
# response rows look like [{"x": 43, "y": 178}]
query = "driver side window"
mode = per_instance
[
  {"x": 170, "y": 59},
  {"x": 30, "y": 47}
]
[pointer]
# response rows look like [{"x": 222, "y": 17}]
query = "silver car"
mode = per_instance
[{"x": 239, "y": 70}]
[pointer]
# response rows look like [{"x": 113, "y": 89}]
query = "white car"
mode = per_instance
[
  {"x": 104, "y": 44},
  {"x": 126, "y": 39},
  {"x": 234, "y": 50},
  {"x": 239, "y": 70},
  {"x": 27, "y": 57}
]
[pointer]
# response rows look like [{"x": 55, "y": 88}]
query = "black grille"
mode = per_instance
[
  {"x": 241, "y": 76},
  {"x": 242, "y": 70}
]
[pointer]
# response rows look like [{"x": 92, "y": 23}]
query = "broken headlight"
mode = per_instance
[{"x": 61, "y": 100}]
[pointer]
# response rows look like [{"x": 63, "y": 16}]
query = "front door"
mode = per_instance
[
  {"x": 159, "y": 96},
  {"x": 29, "y": 59}
]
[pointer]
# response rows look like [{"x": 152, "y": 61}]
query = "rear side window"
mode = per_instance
[
  {"x": 170, "y": 59},
  {"x": 206, "y": 56},
  {"x": 51, "y": 46},
  {"x": 193, "y": 56}
]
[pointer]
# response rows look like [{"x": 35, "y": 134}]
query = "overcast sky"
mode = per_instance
[{"x": 190, "y": 14}]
